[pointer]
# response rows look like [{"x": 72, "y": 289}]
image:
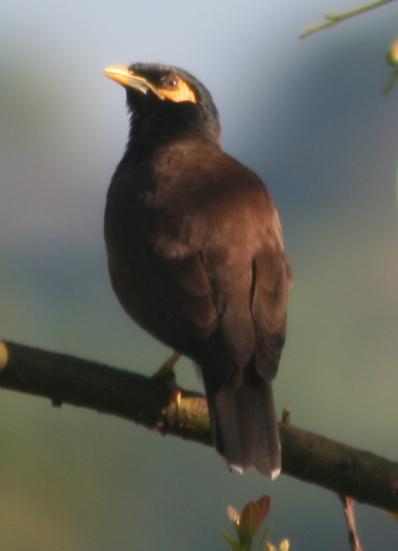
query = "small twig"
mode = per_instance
[
  {"x": 391, "y": 83},
  {"x": 349, "y": 513},
  {"x": 331, "y": 20}
]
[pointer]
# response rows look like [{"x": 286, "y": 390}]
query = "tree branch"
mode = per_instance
[
  {"x": 148, "y": 401},
  {"x": 331, "y": 20}
]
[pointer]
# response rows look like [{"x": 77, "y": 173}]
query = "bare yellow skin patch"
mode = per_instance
[
  {"x": 182, "y": 92},
  {"x": 128, "y": 78}
]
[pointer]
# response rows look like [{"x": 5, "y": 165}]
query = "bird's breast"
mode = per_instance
[{"x": 142, "y": 234}]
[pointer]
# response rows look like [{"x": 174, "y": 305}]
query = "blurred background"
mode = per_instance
[{"x": 310, "y": 118}]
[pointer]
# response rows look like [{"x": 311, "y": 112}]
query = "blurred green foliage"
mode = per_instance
[{"x": 247, "y": 526}]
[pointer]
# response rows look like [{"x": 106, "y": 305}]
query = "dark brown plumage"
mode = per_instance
[{"x": 195, "y": 253}]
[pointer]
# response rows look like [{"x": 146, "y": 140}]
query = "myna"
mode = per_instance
[{"x": 196, "y": 257}]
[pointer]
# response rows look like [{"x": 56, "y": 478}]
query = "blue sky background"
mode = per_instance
[{"x": 309, "y": 117}]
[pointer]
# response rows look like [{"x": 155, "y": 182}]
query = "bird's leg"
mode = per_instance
[
  {"x": 166, "y": 370},
  {"x": 166, "y": 374}
]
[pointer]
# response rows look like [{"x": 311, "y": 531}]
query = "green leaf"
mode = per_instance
[
  {"x": 233, "y": 515},
  {"x": 264, "y": 506},
  {"x": 250, "y": 520},
  {"x": 266, "y": 535},
  {"x": 233, "y": 543},
  {"x": 284, "y": 545},
  {"x": 393, "y": 54}
]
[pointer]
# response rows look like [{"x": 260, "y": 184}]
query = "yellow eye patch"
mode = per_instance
[
  {"x": 182, "y": 92},
  {"x": 177, "y": 90}
]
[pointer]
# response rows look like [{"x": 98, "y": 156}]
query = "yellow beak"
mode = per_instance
[{"x": 126, "y": 77}]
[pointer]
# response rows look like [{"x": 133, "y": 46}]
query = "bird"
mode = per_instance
[{"x": 196, "y": 256}]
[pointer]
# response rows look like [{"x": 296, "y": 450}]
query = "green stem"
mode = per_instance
[
  {"x": 391, "y": 83},
  {"x": 332, "y": 20}
]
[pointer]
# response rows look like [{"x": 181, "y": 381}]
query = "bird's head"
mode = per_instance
[{"x": 166, "y": 102}]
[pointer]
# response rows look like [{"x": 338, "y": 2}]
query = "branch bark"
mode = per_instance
[{"x": 149, "y": 401}]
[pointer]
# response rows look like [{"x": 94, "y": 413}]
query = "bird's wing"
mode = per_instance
[
  {"x": 271, "y": 281},
  {"x": 223, "y": 230},
  {"x": 250, "y": 280},
  {"x": 184, "y": 295}
]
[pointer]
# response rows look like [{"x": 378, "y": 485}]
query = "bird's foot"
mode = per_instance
[{"x": 166, "y": 375}]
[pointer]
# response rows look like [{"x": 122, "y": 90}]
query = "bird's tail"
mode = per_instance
[{"x": 244, "y": 426}]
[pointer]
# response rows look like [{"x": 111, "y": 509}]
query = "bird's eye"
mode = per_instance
[{"x": 170, "y": 81}]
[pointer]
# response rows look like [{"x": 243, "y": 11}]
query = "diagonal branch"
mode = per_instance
[
  {"x": 332, "y": 19},
  {"x": 148, "y": 401}
]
